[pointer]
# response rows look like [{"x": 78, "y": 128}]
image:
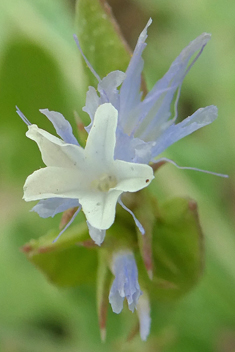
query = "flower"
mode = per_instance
[
  {"x": 126, "y": 133},
  {"x": 125, "y": 284},
  {"x": 90, "y": 177}
]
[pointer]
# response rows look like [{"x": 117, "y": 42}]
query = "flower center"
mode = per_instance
[{"x": 104, "y": 183}]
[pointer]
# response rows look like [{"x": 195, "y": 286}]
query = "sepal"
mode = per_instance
[{"x": 178, "y": 251}]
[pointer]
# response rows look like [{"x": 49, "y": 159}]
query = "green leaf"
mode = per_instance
[
  {"x": 177, "y": 249},
  {"x": 100, "y": 38},
  {"x": 66, "y": 262}
]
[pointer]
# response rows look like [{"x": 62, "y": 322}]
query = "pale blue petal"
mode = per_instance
[
  {"x": 155, "y": 110},
  {"x": 138, "y": 224},
  {"x": 50, "y": 207},
  {"x": 92, "y": 103},
  {"x": 143, "y": 151},
  {"x": 132, "y": 149},
  {"x": 124, "y": 146},
  {"x": 116, "y": 300},
  {"x": 125, "y": 284},
  {"x": 172, "y": 134},
  {"x": 108, "y": 88},
  {"x": 62, "y": 126},
  {"x": 130, "y": 94},
  {"x": 96, "y": 234}
]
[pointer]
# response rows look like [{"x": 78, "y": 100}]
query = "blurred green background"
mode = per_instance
[{"x": 40, "y": 67}]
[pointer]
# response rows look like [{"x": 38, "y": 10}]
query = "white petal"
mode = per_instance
[
  {"x": 62, "y": 126},
  {"x": 96, "y": 234},
  {"x": 51, "y": 182},
  {"x": 101, "y": 139},
  {"x": 132, "y": 177},
  {"x": 99, "y": 207},
  {"x": 55, "y": 152}
]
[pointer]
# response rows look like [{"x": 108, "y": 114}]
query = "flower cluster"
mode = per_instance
[{"x": 127, "y": 132}]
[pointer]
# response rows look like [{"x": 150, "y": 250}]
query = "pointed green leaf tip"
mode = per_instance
[
  {"x": 100, "y": 38},
  {"x": 177, "y": 249},
  {"x": 66, "y": 262}
]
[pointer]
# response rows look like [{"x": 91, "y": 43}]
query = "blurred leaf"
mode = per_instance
[
  {"x": 177, "y": 249},
  {"x": 103, "y": 286},
  {"x": 147, "y": 216},
  {"x": 65, "y": 262},
  {"x": 100, "y": 38},
  {"x": 43, "y": 89}
]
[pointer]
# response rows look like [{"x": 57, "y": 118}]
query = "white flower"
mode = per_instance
[
  {"x": 90, "y": 176},
  {"x": 123, "y": 139}
]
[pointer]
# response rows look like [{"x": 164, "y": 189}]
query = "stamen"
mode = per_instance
[
  {"x": 104, "y": 183},
  {"x": 84, "y": 57},
  {"x": 189, "y": 168},
  {"x": 195, "y": 59},
  {"x": 176, "y": 104},
  {"x": 68, "y": 224},
  {"x": 138, "y": 224},
  {"x": 179, "y": 88},
  {"x": 21, "y": 115}
]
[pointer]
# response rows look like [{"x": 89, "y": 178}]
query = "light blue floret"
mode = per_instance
[
  {"x": 125, "y": 284},
  {"x": 145, "y": 127}
]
